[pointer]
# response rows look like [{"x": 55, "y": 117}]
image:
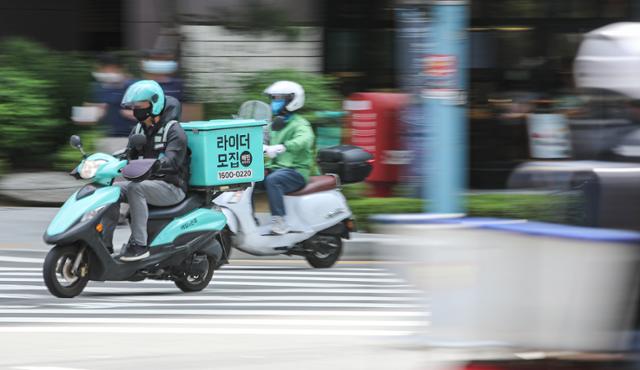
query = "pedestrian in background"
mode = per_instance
[{"x": 103, "y": 108}]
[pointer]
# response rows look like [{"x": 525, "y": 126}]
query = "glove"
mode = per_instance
[{"x": 273, "y": 151}]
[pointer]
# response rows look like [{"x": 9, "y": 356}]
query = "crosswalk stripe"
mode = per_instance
[
  {"x": 253, "y": 277},
  {"x": 141, "y": 284},
  {"x": 220, "y": 312},
  {"x": 336, "y": 269},
  {"x": 296, "y": 304},
  {"x": 207, "y": 321},
  {"x": 38, "y": 272},
  {"x": 196, "y": 330},
  {"x": 21, "y": 259},
  {"x": 20, "y": 268},
  {"x": 288, "y": 298},
  {"x": 153, "y": 301},
  {"x": 217, "y": 290},
  {"x": 232, "y": 266},
  {"x": 303, "y": 273},
  {"x": 9, "y": 277}
]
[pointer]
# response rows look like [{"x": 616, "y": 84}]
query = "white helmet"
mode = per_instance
[{"x": 292, "y": 90}]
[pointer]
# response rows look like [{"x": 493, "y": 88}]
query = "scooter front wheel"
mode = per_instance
[
  {"x": 195, "y": 283},
  {"x": 64, "y": 275}
]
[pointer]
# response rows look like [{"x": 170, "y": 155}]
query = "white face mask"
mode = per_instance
[
  {"x": 160, "y": 67},
  {"x": 108, "y": 77}
]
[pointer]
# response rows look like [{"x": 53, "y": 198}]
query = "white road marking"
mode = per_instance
[
  {"x": 246, "y": 277},
  {"x": 187, "y": 330},
  {"x": 242, "y": 322},
  {"x": 20, "y": 268},
  {"x": 215, "y": 290},
  {"x": 45, "y": 368},
  {"x": 303, "y": 304},
  {"x": 187, "y": 312},
  {"x": 294, "y": 268},
  {"x": 214, "y": 283},
  {"x": 21, "y": 259},
  {"x": 234, "y": 274},
  {"x": 288, "y": 298}
]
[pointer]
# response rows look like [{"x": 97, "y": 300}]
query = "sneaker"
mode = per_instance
[
  {"x": 134, "y": 252},
  {"x": 279, "y": 225}
]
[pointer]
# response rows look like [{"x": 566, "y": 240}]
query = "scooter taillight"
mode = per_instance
[{"x": 351, "y": 226}]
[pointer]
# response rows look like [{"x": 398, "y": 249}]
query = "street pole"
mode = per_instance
[{"x": 445, "y": 107}]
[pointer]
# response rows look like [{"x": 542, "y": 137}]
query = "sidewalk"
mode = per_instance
[{"x": 48, "y": 189}]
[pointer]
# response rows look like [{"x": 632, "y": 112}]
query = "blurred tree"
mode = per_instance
[
  {"x": 53, "y": 83},
  {"x": 69, "y": 73},
  {"x": 320, "y": 94},
  {"x": 28, "y": 133}
]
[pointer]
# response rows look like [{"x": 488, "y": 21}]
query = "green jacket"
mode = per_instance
[{"x": 297, "y": 136}]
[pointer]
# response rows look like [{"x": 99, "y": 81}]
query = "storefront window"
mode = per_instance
[
  {"x": 344, "y": 50},
  {"x": 517, "y": 9},
  {"x": 575, "y": 9},
  {"x": 514, "y": 48},
  {"x": 615, "y": 8}
]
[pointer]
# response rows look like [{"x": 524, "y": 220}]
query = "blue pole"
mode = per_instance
[{"x": 444, "y": 99}]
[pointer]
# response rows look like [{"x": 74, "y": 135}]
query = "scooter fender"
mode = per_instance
[
  {"x": 77, "y": 206},
  {"x": 232, "y": 221},
  {"x": 199, "y": 220}
]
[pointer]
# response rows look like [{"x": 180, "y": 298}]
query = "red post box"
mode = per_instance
[{"x": 373, "y": 121}]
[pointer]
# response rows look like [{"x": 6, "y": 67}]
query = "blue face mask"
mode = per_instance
[
  {"x": 277, "y": 106},
  {"x": 160, "y": 67}
]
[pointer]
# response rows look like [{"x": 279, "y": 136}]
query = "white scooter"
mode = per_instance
[{"x": 318, "y": 215}]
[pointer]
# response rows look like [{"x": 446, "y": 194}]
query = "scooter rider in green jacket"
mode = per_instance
[{"x": 290, "y": 153}]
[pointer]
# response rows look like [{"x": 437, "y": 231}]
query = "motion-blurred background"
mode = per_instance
[{"x": 547, "y": 94}]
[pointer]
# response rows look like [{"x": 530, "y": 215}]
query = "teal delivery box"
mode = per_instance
[{"x": 225, "y": 152}]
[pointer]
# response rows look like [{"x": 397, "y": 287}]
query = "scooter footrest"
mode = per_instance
[{"x": 290, "y": 232}]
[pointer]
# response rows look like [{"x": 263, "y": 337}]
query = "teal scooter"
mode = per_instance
[{"x": 186, "y": 241}]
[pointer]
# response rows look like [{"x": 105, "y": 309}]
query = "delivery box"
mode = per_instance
[{"x": 225, "y": 152}]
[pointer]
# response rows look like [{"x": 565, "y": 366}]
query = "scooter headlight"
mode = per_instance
[
  {"x": 90, "y": 167},
  {"x": 91, "y": 214}
]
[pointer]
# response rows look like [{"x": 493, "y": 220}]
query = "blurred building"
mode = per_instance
[{"x": 521, "y": 51}]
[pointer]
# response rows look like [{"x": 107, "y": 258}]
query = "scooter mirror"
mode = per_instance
[
  {"x": 137, "y": 141},
  {"x": 75, "y": 141}
]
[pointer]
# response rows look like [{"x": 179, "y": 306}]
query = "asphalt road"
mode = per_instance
[{"x": 256, "y": 314}]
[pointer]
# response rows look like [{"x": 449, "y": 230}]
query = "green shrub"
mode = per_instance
[
  {"x": 320, "y": 94},
  {"x": 362, "y": 208},
  {"x": 564, "y": 209},
  {"x": 68, "y": 73},
  {"x": 29, "y": 128},
  {"x": 38, "y": 90}
]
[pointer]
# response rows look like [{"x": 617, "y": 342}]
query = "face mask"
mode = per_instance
[
  {"x": 277, "y": 106},
  {"x": 159, "y": 67},
  {"x": 142, "y": 114},
  {"x": 108, "y": 77}
]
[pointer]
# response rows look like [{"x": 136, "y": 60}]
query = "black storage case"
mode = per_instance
[{"x": 350, "y": 163}]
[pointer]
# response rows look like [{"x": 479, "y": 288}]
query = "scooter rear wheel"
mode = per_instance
[
  {"x": 328, "y": 254},
  {"x": 197, "y": 283},
  {"x": 58, "y": 273}
]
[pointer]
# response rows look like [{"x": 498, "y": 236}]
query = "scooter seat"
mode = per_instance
[
  {"x": 191, "y": 202},
  {"x": 317, "y": 184}
]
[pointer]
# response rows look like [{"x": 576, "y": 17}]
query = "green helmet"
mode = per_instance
[{"x": 145, "y": 90}]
